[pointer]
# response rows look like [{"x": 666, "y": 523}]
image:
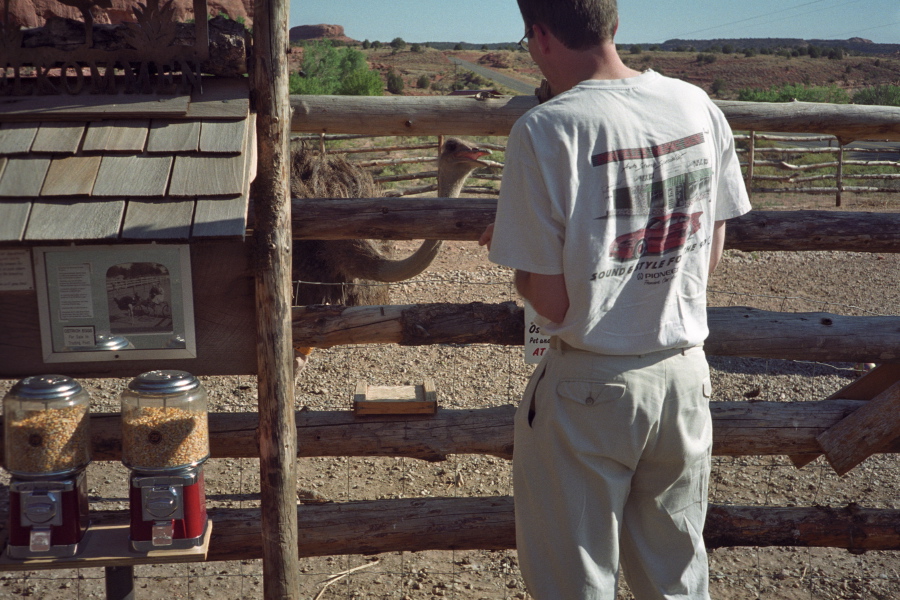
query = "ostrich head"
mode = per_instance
[{"x": 457, "y": 160}]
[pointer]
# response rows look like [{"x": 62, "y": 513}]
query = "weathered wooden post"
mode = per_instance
[
  {"x": 751, "y": 153},
  {"x": 840, "y": 172},
  {"x": 272, "y": 247}
]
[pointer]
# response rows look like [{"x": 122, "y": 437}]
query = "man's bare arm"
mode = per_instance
[
  {"x": 546, "y": 293},
  {"x": 718, "y": 245}
]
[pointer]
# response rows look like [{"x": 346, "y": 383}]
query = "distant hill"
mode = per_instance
[{"x": 855, "y": 45}]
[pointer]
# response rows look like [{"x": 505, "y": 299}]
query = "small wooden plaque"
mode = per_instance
[{"x": 395, "y": 400}]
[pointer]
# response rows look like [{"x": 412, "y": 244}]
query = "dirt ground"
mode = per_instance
[{"x": 470, "y": 376}]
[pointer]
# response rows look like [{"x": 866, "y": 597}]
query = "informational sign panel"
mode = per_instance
[
  {"x": 536, "y": 343},
  {"x": 124, "y": 302},
  {"x": 15, "y": 270}
]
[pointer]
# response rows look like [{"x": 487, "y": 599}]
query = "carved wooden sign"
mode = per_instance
[{"x": 150, "y": 55}]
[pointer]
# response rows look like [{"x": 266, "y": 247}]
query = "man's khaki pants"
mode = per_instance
[{"x": 611, "y": 463}]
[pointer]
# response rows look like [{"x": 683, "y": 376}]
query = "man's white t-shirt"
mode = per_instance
[{"x": 617, "y": 185}]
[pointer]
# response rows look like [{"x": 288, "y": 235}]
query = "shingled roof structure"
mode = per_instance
[{"x": 127, "y": 166}]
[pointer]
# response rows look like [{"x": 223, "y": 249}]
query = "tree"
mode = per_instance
[
  {"x": 394, "y": 82},
  {"x": 718, "y": 86},
  {"x": 416, "y": 48},
  {"x": 398, "y": 44},
  {"x": 424, "y": 82},
  {"x": 366, "y": 44},
  {"x": 727, "y": 49},
  {"x": 330, "y": 70},
  {"x": 636, "y": 49}
]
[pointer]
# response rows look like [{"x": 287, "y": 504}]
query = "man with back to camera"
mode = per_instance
[{"x": 612, "y": 211}]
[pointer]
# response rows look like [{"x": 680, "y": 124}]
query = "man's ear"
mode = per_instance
[{"x": 541, "y": 36}]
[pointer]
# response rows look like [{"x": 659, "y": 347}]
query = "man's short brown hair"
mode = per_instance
[{"x": 578, "y": 24}]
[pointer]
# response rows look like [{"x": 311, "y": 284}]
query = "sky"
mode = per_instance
[{"x": 641, "y": 21}]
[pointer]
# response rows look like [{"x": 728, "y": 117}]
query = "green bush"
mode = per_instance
[
  {"x": 394, "y": 82},
  {"x": 424, "y": 82},
  {"x": 882, "y": 95},
  {"x": 398, "y": 44},
  {"x": 330, "y": 70},
  {"x": 417, "y": 48},
  {"x": 831, "y": 94}
]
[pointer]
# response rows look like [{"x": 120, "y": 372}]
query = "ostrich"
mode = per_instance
[
  {"x": 85, "y": 7},
  {"x": 355, "y": 264},
  {"x": 351, "y": 262}
]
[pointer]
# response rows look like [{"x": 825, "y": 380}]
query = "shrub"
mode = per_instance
[
  {"x": 790, "y": 92},
  {"x": 882, "y": 95},
  {"x": 636, "y": 49},
  {"x": 366, "y": 44},
  {"x": 424, "y": 82},
  {"x": 394, "y": 82},
  {"x": 706, "y": 59},
  {"x": 331, "y": 70},
  {"x": 718, "y": 86},
  {"x": 398, "y": 44},
  {"x": 416, "y": 48}
]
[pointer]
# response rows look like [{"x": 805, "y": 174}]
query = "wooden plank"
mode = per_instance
[
  {"x": 221, "y": 98},
  {"x": 223, "y": 136},
  {"x": 158, "y": 219},
  {"x": 92, "y": 107},
  {"x": 24, "y": 176},
  {"x": 174, "y": 136},
  {"x": 75, "y": 220},
  {"x": 221, "y": 218},
  {"x": 118, "y": 135},
  {"x": 863, "y": 432},
  {"x": 395, "y": 400},
  {"x": 59, "y": 137},
  {"x": 137, "y": 175},
  {"x": 71, "y": 176},
  {"x": 207, "y": 175},
  {"x": 224, "y": 317},
  {"x": 871, "y": 384},
  {"x": 107, "y": 545},
  {"x": 16, "y": 138},
  {"x": 13, "y": 218},
  {"x": 227, "y": 218}
]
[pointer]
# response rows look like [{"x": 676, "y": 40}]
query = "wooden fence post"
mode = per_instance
[
  {"x": 272, "y": 246},
  {"x": 750, "y": 165},
  {"x": 840, "y": 172}
]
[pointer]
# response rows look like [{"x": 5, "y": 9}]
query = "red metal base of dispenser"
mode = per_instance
[
  {"x": 65, "y": 530},
  {"x": 188, "y": 528}
]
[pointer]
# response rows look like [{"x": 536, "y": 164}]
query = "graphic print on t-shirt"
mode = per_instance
[{"x": 673, "y": 205}]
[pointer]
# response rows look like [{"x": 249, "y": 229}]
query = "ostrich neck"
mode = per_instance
[{"x": 450, "y": 181}]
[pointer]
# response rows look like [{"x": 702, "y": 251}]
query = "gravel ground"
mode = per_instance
[{"x": 480, "y": 376}]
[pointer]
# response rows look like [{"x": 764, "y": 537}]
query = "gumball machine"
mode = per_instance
[
  {"x": 165, "y": 441},
  {"x": 47, "y": 448}
]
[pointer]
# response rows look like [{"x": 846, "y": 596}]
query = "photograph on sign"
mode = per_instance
[{"x": 115, "y": 302}]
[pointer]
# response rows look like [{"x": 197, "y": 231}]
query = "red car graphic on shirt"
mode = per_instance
[{"x": 661, "y": 234}]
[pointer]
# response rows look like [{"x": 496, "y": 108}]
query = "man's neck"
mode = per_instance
[{"x": 599, "y": 63}]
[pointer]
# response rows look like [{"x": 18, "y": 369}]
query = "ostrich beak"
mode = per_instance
[{"x": 475, "y": 155}]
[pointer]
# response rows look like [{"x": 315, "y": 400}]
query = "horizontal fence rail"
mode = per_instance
[
  {"x": 488, "y": 523},
  {"x": 443, "y": 115},
  {"x": 464, "y": 219},
  {"x": 739, "y": 429}
]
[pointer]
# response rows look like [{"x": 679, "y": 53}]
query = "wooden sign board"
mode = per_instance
[{"x": 395, "y": 400}]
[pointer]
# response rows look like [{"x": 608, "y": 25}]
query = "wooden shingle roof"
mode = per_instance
[{"x": 127, "y": 167}]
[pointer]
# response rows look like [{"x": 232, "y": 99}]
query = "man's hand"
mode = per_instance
[{"x": 487, "y": 236}]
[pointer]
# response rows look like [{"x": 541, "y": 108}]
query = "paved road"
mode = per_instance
[{"x": 500, "y": 78}]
